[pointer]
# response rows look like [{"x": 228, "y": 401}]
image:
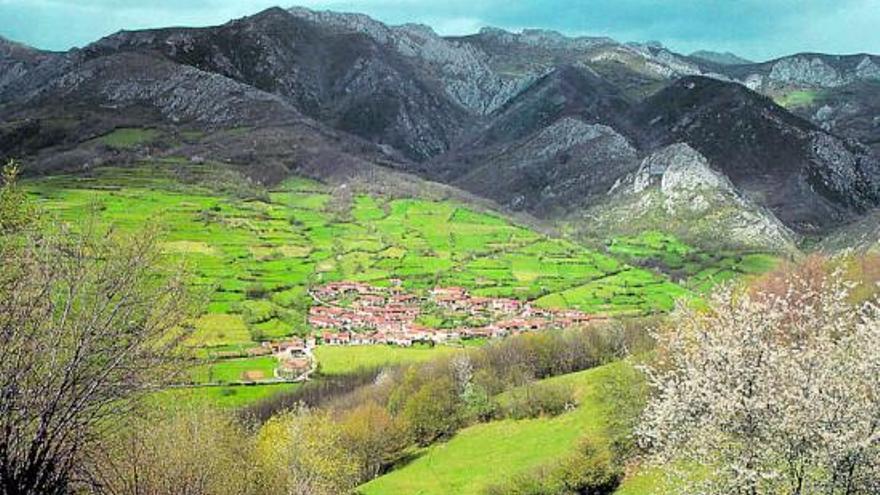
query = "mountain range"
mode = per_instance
[{"x": 585, "y": 132}]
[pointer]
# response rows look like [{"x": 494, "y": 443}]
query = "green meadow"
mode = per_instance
[
  {"x": 696, "y": 269},
  {"x": 338, "y": 360}
]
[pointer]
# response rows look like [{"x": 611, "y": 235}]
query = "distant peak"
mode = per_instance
[{"x": 722, "y": 58}]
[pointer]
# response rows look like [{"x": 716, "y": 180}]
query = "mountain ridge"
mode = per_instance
[{"x": 536, "y": 121}]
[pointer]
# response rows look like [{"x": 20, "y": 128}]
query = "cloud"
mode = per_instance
[{"x": 758, "y": 29}]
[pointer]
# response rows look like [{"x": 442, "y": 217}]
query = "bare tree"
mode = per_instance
[
  {"x": 88, "y": 321},
  {"x": 771, "y": 392}
]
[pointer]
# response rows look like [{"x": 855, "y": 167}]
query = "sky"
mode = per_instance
[{"x": 755, "y": 29}]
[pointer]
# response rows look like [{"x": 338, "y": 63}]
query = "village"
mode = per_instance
[{"x": 353, "y": 313}]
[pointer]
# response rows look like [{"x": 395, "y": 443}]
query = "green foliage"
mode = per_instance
[
  {"x": 590, "y": 471},
  {"x": 432, "y": 412},
  {"x": 304, "y": 451},
  {"x": 478, "y": 404},
  {"x": 174, "y": 449},
  {"x": 16, "y": 210}
]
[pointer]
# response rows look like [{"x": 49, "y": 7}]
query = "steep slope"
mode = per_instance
[
  {"x": 861, "y": 235},
  {"x": 567, "y": 91},
  {"x": 16, "y": 60},
  {"x": 637, "y": 69},
  {"x": 840, "y": 93},
  {"x": 676, "y": 190},
  {"x": 808, "y": 178},
  {"x": 460, "y": 69},
  {"x": 557, "y": 168},
  {"x": 63, "y": 111}
]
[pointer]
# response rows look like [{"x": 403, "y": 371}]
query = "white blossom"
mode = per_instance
[{"x": 768, "y": 394}]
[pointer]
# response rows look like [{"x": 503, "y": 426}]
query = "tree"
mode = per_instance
[
  {"x": 433, "y": 411},
  {"x": 377, "y": 438},
  {"x": 87, "y": 322},
  {"x": 303, "y": 452},
  {"x": 775, "y": 392},
  {"x": 175, "y": 451}
]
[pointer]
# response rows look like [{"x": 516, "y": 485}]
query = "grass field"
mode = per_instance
[
  {"x": 797, "y": 98},
  {"x": 335, "y": 360},
  {"x": 254, "y": 253},
  {"x": 222, "y": 396},
  {"x": 128, "y": 137},
  {"x": 488, "y": 453},
  {"x": 236, "y": 370}
]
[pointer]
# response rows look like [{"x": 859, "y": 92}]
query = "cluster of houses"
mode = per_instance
[
  {"x": 294, "y": 357},
  {"x": 351, "y": 313}
]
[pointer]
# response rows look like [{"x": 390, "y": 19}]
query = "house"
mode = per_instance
[{"x": 293, "y": 368}]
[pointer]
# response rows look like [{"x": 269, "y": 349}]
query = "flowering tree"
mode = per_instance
[{"x": 771, "y": 392}]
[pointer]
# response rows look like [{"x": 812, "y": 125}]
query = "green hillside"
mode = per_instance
[{"x": 482, "y": 455}]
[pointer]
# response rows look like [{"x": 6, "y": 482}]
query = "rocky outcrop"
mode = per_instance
[
  {"x": 558, "y": 168},
  {"x": 805, "y": 70},
  {"x": 676, "y": 190}
]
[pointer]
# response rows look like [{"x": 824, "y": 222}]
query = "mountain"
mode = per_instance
[
  {"x": 534, "y": 121},
  {"x": 810, "y": 179},
  {"x": 720, "y": 58}
]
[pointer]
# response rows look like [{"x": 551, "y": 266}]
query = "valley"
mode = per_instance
[
  {"x": 307, "y": 252},
  {"x": 254, "y": 255}
]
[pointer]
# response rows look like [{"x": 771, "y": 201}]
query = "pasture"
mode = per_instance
[{"x": 338, "y": 360}]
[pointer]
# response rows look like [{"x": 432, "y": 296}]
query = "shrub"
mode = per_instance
[
  {"x": 304, "y": 451},
  {"x": 433, "y": 412},
  {"x": 187, "y": 450},
  {"x": 375, "y": 436},
  {"x": 256, "y": 291},
  {"x": 590, "y": 471},
  {"x": 540, "y": 399}
]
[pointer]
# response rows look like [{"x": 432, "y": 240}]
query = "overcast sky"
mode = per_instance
[{"x": 756, "y": 29}]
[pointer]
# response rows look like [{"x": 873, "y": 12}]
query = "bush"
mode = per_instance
[
  {"x": 165, "y": 451},
  {"x": 256, "y": 291},
  {"x": 588, "y": 472},
  {"x": 540, "y": 399}
]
